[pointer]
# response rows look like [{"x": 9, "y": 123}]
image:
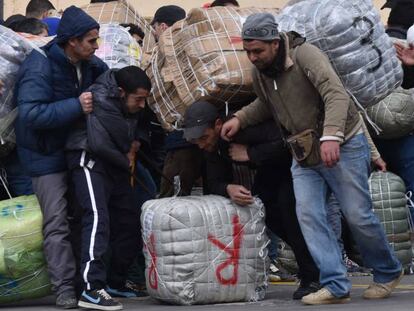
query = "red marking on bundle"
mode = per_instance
[
  {"x": 235, "y": 39},
  {"x": 152, "y": 273},
  {"x": 234, "y": 253}
]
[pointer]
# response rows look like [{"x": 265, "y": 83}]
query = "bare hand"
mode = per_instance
[
  {"x": 380, "y": 165},
  {"x": 133, "y": 151},
  {"x": 330, "y": 152},
  {"x": 86, "y": 101},
  {"x": 404, "y": 53},
  {"x": 238, "y": 153},
  {"x": 239, "y": 195},
  {"x": 230, "y": 128}
]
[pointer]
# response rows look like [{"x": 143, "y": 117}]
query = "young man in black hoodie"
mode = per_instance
[
  {"x": 100, "y": 170},
  {"x": 229, "y": 167}
]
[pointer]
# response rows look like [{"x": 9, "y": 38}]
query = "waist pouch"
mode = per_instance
[{"x": 305, "y": 148}]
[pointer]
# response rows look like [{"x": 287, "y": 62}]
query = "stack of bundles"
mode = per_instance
[
  {"x": 394, "y": 115},
  {"x": 201, "y": 57},
  {"x": 13, "y": 51},
  {"x": 121, "y": 12},
  {"x": 117, "y": 48},
  {"x": 351, "y": 33},
  {"x": 204, "y": 249},
  {"x": 390, "y": 205},
  {"x": 23, "y": 273}
]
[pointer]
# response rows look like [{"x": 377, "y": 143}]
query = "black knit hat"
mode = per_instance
[{"x": 402, "y": 14}]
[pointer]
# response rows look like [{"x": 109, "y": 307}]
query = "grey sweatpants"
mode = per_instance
[{"x": 50, "y": 191}]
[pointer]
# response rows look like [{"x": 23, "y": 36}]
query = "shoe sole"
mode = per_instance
[
  {"x": 87, "y": 305},
  {"x": 389, "y": 294},
  {"x": 329, "y": 302}
]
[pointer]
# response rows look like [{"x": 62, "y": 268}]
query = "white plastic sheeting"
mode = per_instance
[
  {"x": 117, "y": 48},
  {"x": 204, "y": 249},
  {"x": 351, "y": 33}
]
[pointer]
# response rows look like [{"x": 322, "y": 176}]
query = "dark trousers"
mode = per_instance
[
  {"x": 274, "y": 186},
  {"x": 110, "y": 220}
]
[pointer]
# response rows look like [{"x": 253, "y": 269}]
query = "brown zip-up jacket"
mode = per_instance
[{"x": 297, "y": 94}]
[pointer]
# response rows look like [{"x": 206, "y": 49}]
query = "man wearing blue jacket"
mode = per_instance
[{"x": 51, "y": 97}]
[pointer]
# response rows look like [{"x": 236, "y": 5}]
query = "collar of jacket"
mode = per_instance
[
  {"x": 57, "y": 54},
  {"x": 292, "y": 40}
]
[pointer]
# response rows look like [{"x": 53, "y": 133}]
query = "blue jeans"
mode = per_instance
[{"x": 348, "y": 181}]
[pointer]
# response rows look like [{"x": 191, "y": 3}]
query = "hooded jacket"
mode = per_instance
[
  {"x": 109, "y": 130},
  {"x": 47, "y": 97},
  {"x": 306, "y": 94}
]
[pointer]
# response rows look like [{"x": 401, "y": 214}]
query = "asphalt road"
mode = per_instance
[{"x": 277, "y": 298}]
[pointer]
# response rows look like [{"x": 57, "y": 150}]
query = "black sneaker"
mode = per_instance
[
  {"x": 306, "y": 288},
  {"x": 67, "y": 300},
  {"x": 279, "y": 274},
  {"x": 98, "y": 299},
  {"x": 127, "y": 291}
]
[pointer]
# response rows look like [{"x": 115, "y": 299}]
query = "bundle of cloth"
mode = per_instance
[
  {"x": 117, "y": 48},
  {"x": 201, "y": 57},
  {"x": 351, "y": 33},
  {"x": 23, "y": 273},
  {"x": 204, "y": 250}
]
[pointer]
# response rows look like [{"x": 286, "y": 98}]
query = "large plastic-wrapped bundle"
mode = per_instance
[
  {"x": 394, "y": 115},
  {"x": 351, "y": 33},
  {"x": 204, "y": 249},
  {"x": 202, "y": 57},
  {"x": 121, "y": 12},
  {"x": 23, "y": 272},
  {"x": 390, "y": 205},
  {"x": 117, "y": 48},
  {"x": 13, "y": 51}
]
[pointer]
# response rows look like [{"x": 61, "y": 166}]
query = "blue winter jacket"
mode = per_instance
[{"x": 47, "y": 98}]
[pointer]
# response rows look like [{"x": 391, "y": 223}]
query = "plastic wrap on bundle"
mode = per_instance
[
  {"x": 22, "y": 264},
  {"x": 352, "y": 35},
  {"x": 394, "y": 115},
  {"x": 204, "y": 250},
  {"x": 14, "y": 49},
  {"x": 389, "y": 203},
  {"x": 117, "y": 48}
]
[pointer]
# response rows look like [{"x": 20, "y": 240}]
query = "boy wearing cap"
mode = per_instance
[
  {"x": 230, "y": 171},
  {"x": 297, "y": 86},
  {"x": 51, "y": 97}
]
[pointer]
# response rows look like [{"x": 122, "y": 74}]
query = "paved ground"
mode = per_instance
[{"x": 278, "y": 298}]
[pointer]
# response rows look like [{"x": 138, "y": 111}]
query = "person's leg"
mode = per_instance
[
  {"x": 170, "y": 170},
  {"x": 310, "y": 192},
  {"x": 125, "y": 233},
  {"x": 189, "y": 161},
  {"x": 349, "y": 183},
  {"x": 50, "y": 191}
]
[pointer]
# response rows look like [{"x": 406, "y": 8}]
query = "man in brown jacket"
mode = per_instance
[{"x": 297, "y": 86}]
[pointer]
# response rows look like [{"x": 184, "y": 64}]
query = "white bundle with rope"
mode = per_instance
[
  {"x": 14, "y": 48},
  {"x": 204, "y": 250},
  {"x": 352, "y": 35},
  {"x": 117, "y": 48}
]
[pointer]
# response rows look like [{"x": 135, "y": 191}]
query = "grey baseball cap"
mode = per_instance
[
  {"x": 197, "y": 118},
  {"x": 260, "y": 26}
]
